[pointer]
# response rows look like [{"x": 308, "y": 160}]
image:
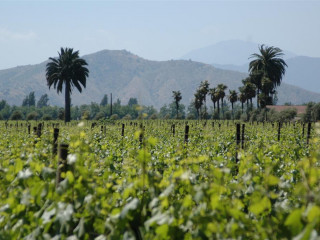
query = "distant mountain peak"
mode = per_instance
[{"x": 234, "y": 52}]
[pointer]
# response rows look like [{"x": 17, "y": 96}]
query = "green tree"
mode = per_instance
[
  {"x": 25, "y": 101},
  {"x": 198, "y": 102},
  {"x": 3, "y": 103},
  {"x": 43, "y": 101},
  {"x": 242, "y": 97},
  {"x": 249, "y": 90},
  {"x": 233, "y": 97},
  {"x": 29, "y": 100},
  {"x": 104, "y": 100},
  {"x": 213, "y": 96},
  {"x": 16, "y": 115},
  {"x": 177, "y": 98},
  {"x": 69, "y": 70},
  {"x": 204, "y": 90},
  {"x": 267, "y": 70},
  {"x": 132, "y": 102},
  {"x": 221, "y": 93}
]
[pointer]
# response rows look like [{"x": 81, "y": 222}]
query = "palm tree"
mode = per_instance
[
  {"x": 220, "y": 89},
  {"x": 198, "y": 102},
  {"x": 233, "y": 97},
  {"x": 268, "y": 64},
  {"x": 69, "y": 70},
  {"x": 177, "y": 98},
  {"x": 242, "y": 97},
  {"x": 213, "y": 95},
  {"x": 249, "y": 89},
  {"x": 204, "y": 89}
]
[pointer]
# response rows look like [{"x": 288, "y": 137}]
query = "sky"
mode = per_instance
[{"x": 33, "y": 31}]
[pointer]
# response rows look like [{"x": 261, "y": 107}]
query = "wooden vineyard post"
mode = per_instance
[
  {"x": 242, "y": 137},
  {"x": 29, "y": 129},
  {"x": 62, "y": 162},
  {"x": 186, "y": 134},
  {"x": 141, "y": 135},
  {"x": 122, "y": 130},
  {"x": 173, "y": 130},
  {"x": 35, "y": 130},
  {"x": 39, "y": 130},
  {"x": 237, "y": 140},
  {"x": 238, "y": 134},
  {"x": 308, "y": 132},
  {"x": 279, "y": 131},
  {"x": 55, "y": 141},
  {"x": 303, "y": 130}
]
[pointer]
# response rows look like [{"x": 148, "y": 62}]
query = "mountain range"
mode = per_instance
[
  {"x": 302, "y": 71},
  {"x": 127, "y": 75}
]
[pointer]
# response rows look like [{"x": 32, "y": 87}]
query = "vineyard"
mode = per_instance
[{"x": 159, "y": 180}]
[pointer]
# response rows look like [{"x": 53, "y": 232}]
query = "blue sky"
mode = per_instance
[{"x": 32, "y": 31}]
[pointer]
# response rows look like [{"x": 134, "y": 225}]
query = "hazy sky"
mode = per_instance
[{"x": 32, "y": 31}]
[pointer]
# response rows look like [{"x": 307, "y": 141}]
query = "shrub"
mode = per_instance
[
  {"x": 16, "y": 115},
  {"x": 153, "y": 116},
  {"x": 46, "y": 117},
  {"x": 127, "y": 117},
  {"x": 32, "y": 116},
  {"x": 114, "y": 117},
  {"x": 99, "y": 116}
]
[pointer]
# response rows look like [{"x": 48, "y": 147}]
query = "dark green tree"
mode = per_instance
[
  {"x": 249, "y": 90},
  {"x": 198, "y": 102},
  {"x": 267, "y": 70},
  {"x": 69, "y": 70},
  {"x": 213, "y": 96},
  {"x": 177, "y": 98},
  {"x": 104, "y": 100},
  {"x": 221, "y": 93},
  {"x": 43, "y": 101},
  {"x": 242, "y": 97},
  {"x": 233, "y": 97},
  {"x": 204, "y": 90},
  {"x": 132, "y": 102},
  {"x": 29, "y": 100}
]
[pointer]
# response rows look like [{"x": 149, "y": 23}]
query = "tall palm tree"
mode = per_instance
[
  {"x": 268, "y": 64},
  {"x": 213, "y": 96},
  {"x": 69, "y": 70},
  {"x": 233, "y": 97},
  {"x": 242, "y": 97},
  {"x": 221, "y": 93},
  {"x": 204, "y": 89},
  {"x": 249, "y": 89},
  {"x": 177, "y": 98},
  {"x": 198, "y": 102}
]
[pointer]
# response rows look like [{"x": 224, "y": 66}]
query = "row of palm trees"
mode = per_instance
[{"x": 265, "y": 74}]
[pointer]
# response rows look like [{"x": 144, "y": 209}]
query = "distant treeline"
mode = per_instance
[{"x": 31, "y": 109}]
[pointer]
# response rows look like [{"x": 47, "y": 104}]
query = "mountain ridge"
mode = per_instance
[{"x": 127, "y": 75}]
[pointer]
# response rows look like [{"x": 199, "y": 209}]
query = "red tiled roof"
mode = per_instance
[{"x": 300, "y": 109}]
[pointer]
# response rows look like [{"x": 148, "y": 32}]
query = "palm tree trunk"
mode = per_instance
[
  {"x": 177, "y": 105},
  {"x": 110, "y": 104},
  {"x": 222, "y": 104},
  {"x": 232, "y": 110},
  {"x": 218, "y": 107},
  {"x": 258, "y": 98},
  {"x": 67, "y": 103}
]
